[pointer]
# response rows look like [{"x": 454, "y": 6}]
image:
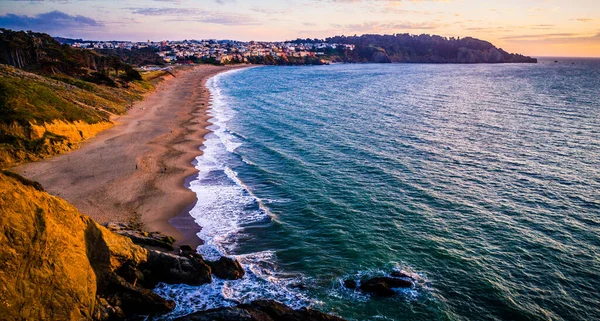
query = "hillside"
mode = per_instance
[
  {"x": 135, "y": 56},
  {"x": 58, "y": 264},
  {"x": 53, "y": 97},
  {"x": 418, "y": 49}
]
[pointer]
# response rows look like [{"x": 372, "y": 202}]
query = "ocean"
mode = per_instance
[{"x": 481, "y": 181}]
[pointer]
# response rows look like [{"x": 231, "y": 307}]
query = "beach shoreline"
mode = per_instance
[{"x": 140, "y": 169}]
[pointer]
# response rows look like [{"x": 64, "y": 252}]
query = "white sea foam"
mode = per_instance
[
  {"x": 225, "y": 204},
  {"x": 261, "y": 281},
  {"x": 223, "y": 199}
]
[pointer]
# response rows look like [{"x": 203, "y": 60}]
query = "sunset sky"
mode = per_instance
[{"x": 531, "y": 27}]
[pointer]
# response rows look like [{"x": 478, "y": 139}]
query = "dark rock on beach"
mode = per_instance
[
  {"x": 260, "y": 311},
  {"x": 227, "y": 268}
]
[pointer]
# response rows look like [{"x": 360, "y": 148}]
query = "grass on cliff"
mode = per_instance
[{"x": 28, "y": 99}]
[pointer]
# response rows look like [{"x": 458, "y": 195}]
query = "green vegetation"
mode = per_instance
[
  {"x": 53, "y": 96},
  {"x": 31, "y": 99},
  {"x": 136, "y": 57},
  {"x": 416, "y": 49},
  {"x": 285, "y": 60}
]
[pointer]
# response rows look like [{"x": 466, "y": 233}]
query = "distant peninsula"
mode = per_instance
[
  {"x": 406, "y": 48},
  {"x": 370, "y": 48}
]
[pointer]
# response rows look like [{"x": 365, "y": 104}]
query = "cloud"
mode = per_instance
[
  {"x": 583, "y": 19},
  {"x": 196, "y": 15},
  {"x": 269, "y": 11},
  {"x": 165, "y": 11},
  {"x": 54, "y": 21},
  {"x": 39, "y": 1},
  {"x": 530, "y": 37},
  {"x": 180, "y": 1},
  {"x": 376, "y": 26},
  {"x": 388, "y": 1},
  {"x": 555, "y": 38}
]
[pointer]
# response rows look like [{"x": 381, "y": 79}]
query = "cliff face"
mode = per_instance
[
  {"x": 40, "y": 257},
  {"x": 45, "y": 268},
  {"x": 57, "y": 264}
]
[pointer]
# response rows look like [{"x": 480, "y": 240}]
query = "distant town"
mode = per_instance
[{"x": 221, "y": 51}]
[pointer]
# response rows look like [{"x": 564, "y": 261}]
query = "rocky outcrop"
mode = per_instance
[
  {"x": 140, "y": 237},
  {"x": 174, "y": 269},
  {"x": 382, "y": 286},
  {"x": 260, "y": 311},
  {"x": 58, "y": 264},
  {"x": 227, "y": 268},
  {"x": 224, "y": 268}
]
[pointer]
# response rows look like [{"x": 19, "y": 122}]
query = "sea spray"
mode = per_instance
[{"x": 225, "y": 205}]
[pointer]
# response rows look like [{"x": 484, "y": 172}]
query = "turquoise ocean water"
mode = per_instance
[{"x": 483, "y": 181}]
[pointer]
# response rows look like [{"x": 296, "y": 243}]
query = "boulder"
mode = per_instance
[
  {"x": 174, "y": 269},
  {"x": 382, "y": 286},
  {"x": 350, "y": 284},
  {"x": 399, "y": 274},
  {"x": 262, "y": 310},
  {"x": 187, "y": 251},
  {"x": 227, "y": 268}
]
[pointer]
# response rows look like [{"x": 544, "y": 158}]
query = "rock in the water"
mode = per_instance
[
  {"x": 224, "y": 314},
  {"x": 226, "y": 268},
  {"x": 382, "y": 286},
  {"x": 377, "y": 288},
  {"x": 350, "y": 284},
  {"x": 399, "y": 274},
  {"x": 174, "y": 269},
  {"x": 260, "y": 311}
]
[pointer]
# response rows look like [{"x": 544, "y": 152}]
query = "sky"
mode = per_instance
[{"x": 561, "y": 28}]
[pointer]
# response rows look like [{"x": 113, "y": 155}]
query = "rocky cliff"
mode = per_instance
[{"x": 58, "y": 264}]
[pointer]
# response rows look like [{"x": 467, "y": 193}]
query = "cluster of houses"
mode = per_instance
[{"x": 223, "y": 51}]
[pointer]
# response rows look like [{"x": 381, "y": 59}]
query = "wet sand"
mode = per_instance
[{"x": 140, "y": 168}]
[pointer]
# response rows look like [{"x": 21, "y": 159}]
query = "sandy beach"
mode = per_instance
[{"x": 139, "y": 169}]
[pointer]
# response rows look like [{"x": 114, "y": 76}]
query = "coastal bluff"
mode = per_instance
[{"x": 58, "y": 264}]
